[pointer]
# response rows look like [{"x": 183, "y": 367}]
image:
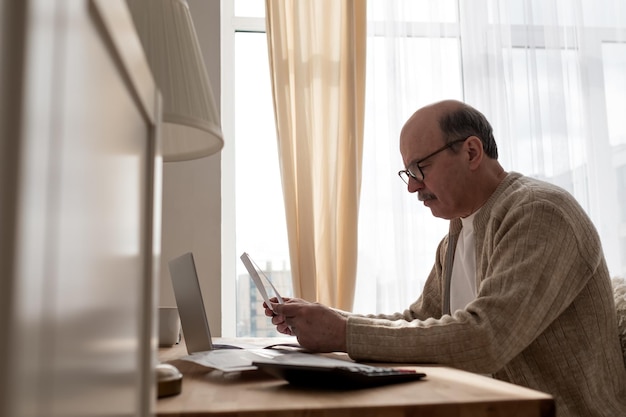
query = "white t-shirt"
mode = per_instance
[{"x": 463, "y": 284}]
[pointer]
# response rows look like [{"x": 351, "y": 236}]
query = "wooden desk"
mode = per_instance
[{"x": 444, "y": 392}]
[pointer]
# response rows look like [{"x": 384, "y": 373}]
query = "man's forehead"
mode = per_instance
[{"x": 421, "y": 134}]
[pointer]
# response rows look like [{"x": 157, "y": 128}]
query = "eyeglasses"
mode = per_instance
[{"x": 407, "y": 174}]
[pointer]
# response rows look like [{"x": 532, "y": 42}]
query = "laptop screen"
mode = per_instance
[{"x": 191, "y": 310}]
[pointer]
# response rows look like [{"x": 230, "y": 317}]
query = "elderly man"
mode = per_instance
[{"x": 519, "y": 288}]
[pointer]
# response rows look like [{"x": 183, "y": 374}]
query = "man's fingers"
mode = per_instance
[
  {"x": 286, "y": 314},
  {"x": 287, "y": 310},
  {"x": 283, "y": 328},
  {"x": 278, "y": 308},
  {"x": 278, "y": 319}
]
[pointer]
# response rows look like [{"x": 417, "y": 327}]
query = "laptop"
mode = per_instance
[
  {"x": 190, "y": 305},
  {"x": 295, "y": 366},
  {"x": 195, "y": 326}
]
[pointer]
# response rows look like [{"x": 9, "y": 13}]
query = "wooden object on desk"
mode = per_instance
[{"x": 444, "y": 392}]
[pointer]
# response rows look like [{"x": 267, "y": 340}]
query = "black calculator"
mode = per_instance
[{"x": 350, "y": 376}]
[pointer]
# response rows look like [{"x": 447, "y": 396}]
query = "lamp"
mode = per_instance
[{"x": 191, "y": 126}]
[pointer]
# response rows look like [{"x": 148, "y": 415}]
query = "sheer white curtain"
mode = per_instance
[
  {"x": 549, "y": 74},
  {"x": 413, "y": 58}
]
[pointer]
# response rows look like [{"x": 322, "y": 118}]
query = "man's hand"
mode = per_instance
[
  {"x": 317, "y": 327},
  {"x": 279, "y": 320}
]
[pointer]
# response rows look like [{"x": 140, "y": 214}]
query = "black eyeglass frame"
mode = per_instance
[{"x": 417, "y": 163}]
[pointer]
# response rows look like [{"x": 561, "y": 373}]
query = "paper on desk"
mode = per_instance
[
  {"x": 262, "y": 283},
  {"x": 232, "y": 360},
  {"x": 237, "y": 360},
  {"x": 311, "y": 359},
  {"x": 281, "y": 342}
]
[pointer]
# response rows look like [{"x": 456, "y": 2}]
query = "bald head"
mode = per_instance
[
  {"x": 435, "y": 111},
  {"x": 450, "y": 120}
]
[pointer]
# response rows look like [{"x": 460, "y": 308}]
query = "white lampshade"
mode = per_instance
[{"x": 191, "y": 126}]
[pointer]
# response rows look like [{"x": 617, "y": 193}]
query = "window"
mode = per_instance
[
  {"x": 550, "y": 89},
  {"x": 258, "y": 202}
]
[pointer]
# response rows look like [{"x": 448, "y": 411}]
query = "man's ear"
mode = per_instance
[{"x": 475, "y": 151}]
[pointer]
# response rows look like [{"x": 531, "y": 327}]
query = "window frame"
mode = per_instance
[{"x": 229, "y": 25}]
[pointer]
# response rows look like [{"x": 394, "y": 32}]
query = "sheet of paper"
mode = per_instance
[
  {"x": 232, "y": 360},
  {"x": 316, "y": 360},
  {"x": 252, "y": 343},
  {"x": 262, "y": 283},
  {"x": 237, "y": 360}
]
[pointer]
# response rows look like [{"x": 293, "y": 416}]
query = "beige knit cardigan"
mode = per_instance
[{"x": 544, "y": 316}]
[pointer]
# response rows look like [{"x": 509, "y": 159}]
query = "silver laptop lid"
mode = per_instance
[{"x": 190, "y": 305}]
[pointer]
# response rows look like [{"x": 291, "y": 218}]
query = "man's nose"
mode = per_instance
[{"x": 414, "y": 185}]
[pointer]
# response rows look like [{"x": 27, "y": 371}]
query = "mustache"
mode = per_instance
[{"x": 425, "y": 196}]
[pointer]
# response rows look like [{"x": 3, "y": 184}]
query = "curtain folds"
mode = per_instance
[
  {"x": 550, "y": 75},
  {"x": 547, "y": 73},
  {"x": 317, "y": 68}
]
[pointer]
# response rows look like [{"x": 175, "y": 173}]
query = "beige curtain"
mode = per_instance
[{"x": 317, "y": 62}]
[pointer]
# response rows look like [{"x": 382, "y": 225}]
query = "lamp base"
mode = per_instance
[{"x": 169, "y": 380}]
